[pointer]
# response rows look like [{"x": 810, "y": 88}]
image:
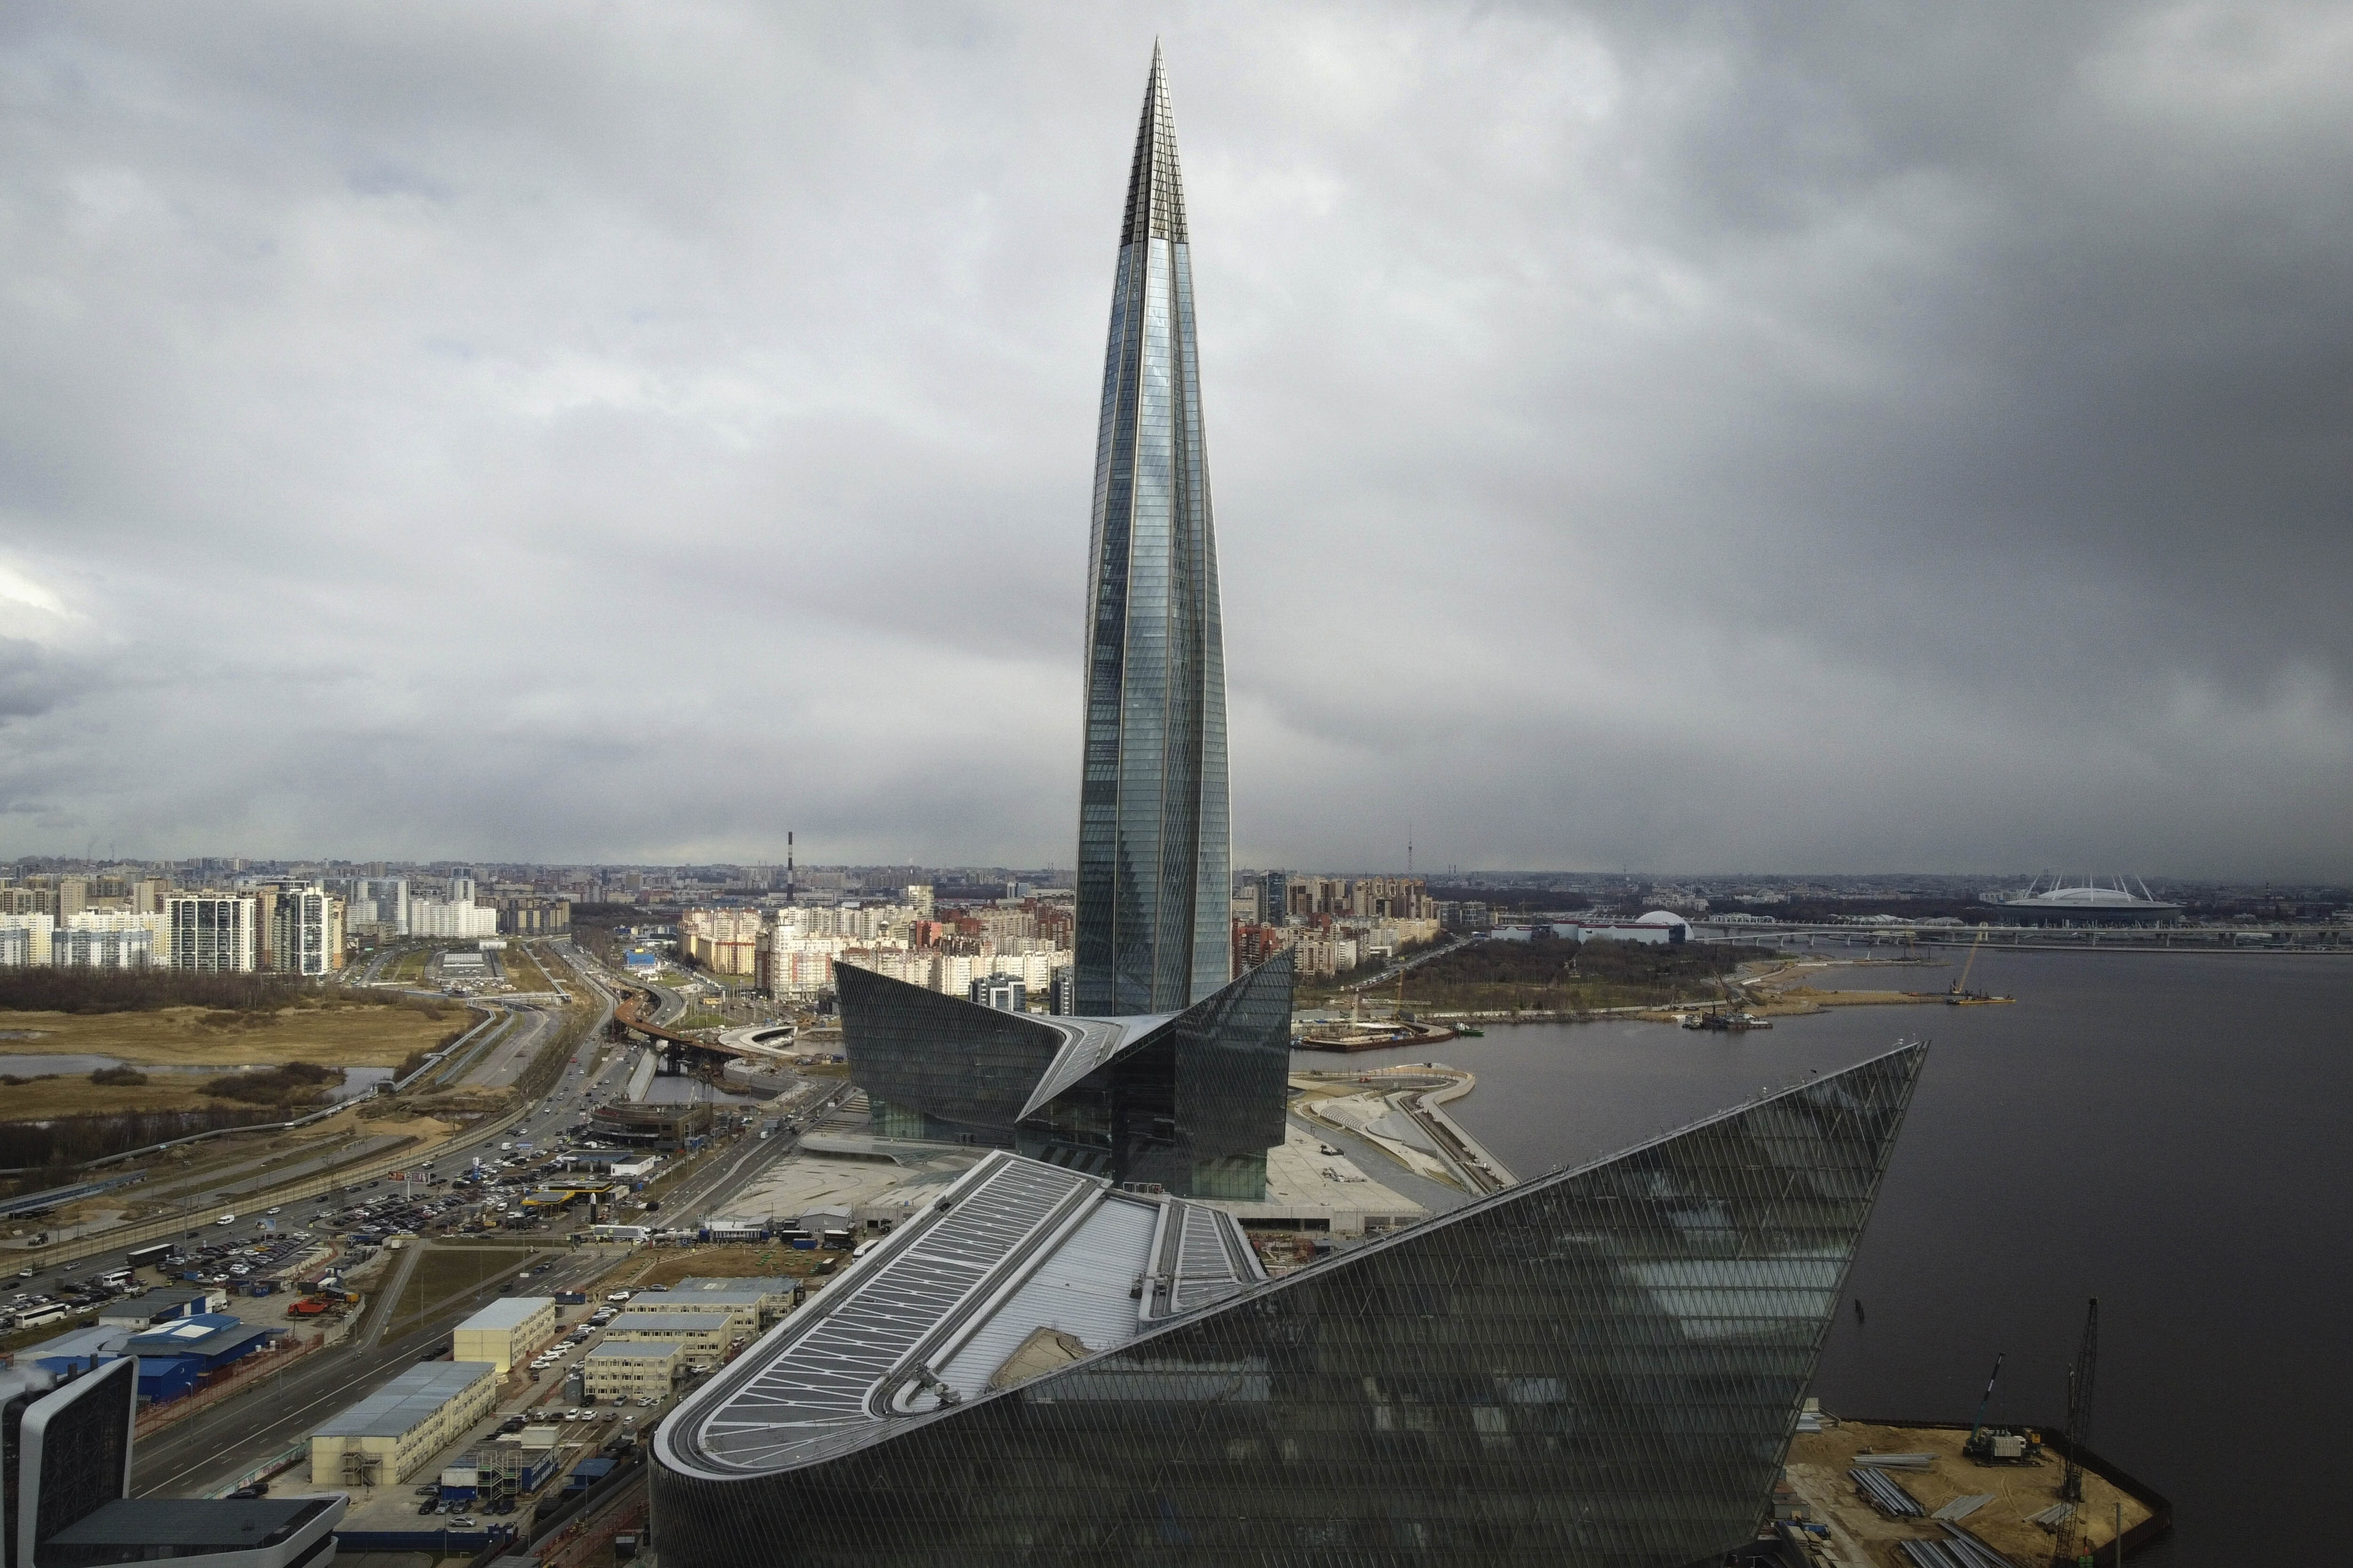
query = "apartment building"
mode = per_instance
[{"x": 212, "y": 932}]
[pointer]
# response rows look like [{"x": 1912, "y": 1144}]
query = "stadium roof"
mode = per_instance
[{"x": 1018, "y": 1266}]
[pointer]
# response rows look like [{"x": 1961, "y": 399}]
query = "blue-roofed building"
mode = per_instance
[
  {"x": 173, "y": 1357},
  {"x": 209, "y": 1340},
  {"x": 80, "y": 1351}
]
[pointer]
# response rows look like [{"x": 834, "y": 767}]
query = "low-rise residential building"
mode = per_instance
[
  {"x": 769, "y": 1294},
  {"x": 506, "y": 1331},
  {"x": 386, "y": 1437},
  {"x": 704, "y": 1333},
  {"x": 632, "y": 1368}
]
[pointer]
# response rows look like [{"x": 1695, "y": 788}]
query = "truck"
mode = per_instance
[{"x": 149, "y": 1257}]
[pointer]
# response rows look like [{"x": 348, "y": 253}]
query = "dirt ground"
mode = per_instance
[
  {"x": 1818, "y": 1462},
  {"x": 197, "y": 1037},
  {"x": 669, "y": 1265}
]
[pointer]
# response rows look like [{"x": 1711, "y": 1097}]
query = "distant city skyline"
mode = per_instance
[{"x": 1829, "y": 437}]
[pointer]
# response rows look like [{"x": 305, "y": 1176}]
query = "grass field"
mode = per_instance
[
  {"x": 446, "y": 1274},
  {"x": 409, "y": 966},
  {"x": 329, "y": 1035},
  {"x": 74, "y": 1095},
  {"x": 524, "y": 971}
]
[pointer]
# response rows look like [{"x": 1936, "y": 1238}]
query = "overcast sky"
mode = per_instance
[{"x": 1677, "y": 437}]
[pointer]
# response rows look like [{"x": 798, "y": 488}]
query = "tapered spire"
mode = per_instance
[
  {"x": 1155, "y": 197},
  {"x": 1155, "y": 895}
]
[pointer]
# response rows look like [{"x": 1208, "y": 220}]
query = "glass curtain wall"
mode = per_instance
[
  {"x": 1154, "y": 854},
  {"x": 1601, "y": 1367},
  {"x": 936, "y": 1067}
]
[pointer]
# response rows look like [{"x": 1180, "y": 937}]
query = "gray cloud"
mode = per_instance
[{"x": 1682, "y": 437}]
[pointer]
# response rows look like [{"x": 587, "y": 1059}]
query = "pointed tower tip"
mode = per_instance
[{"x": 1155, "y": 197}]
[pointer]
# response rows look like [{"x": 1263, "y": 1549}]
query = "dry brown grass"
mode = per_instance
[
  {"x": 197, "y": 1036},
  {"x": 76, "y": 1096},
  {"x": 524, "y": 971},
  {"x": 671, "y": 1264}
]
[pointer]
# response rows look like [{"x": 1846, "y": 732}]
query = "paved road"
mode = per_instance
[
  {"x": 255, "y": 1194},
  {"x": 1394, "y": 970},
  {"x": 508, "y": 1059},
  {"x": 215, "y": 1446}
]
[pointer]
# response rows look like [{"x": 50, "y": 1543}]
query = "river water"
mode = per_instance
[{"x": 2165, "y": 1132}]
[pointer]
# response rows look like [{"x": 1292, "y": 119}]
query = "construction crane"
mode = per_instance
[
  {"x": 2079, "y": 1379},
  {"x": 1998, "y": 1445},
  {"x": 1961, "y": 987},
  {"x": 1959, "y": 994},
  {"x": 1976, "y": 1429}
]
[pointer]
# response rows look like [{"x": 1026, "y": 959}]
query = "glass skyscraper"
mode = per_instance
[
  {"x": 1189, "y": 1103},
  {"x": 1599, "y": 1368},
  {"x": 1155, "y": 850}
]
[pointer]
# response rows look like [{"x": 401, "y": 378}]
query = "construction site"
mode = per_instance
[{"x": 1938, "y": 1495}]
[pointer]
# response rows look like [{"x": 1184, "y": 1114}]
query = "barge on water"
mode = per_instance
[
  {"x": 1355, "y": 1037},
  {"x": 1732, "y": 1022}
]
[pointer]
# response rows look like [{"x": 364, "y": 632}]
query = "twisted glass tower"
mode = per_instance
[{"x": 1155, "y": 857}]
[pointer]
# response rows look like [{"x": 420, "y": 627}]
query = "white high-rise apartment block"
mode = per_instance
[
  {"x": 121, "y": 920},
  {"x": 432, "y": 918},
  {"x": 103, "y": 946},
  {"x": 1034, "y": 970},
  {"x": 212, "y": 932},
  {"x": 461, "y": 889},
  {"x": 386, "y": 901},
  {"x": 306, "y": 933},
  {"x": 28, "y": 934}
]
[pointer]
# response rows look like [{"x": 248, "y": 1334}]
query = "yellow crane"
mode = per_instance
[{"x": 1960, "y": 995}]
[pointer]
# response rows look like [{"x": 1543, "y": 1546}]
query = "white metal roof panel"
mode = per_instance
[
  {"x": 508, "y": 1312},
  {"x": 1084, "y": 1288}
]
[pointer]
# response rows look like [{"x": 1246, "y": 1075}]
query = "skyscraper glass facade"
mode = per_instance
[
  {"x": 1598, "y": 1367},
  {"x": 1190, "y": 1102},
  {"x": 1155, "y": 850},
  {"x": 936, "y": 1067}
]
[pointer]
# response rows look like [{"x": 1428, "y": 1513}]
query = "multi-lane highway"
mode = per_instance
[
  {"x": 216, "y": 1447},
  {"x": 250, "y": 1189}
]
